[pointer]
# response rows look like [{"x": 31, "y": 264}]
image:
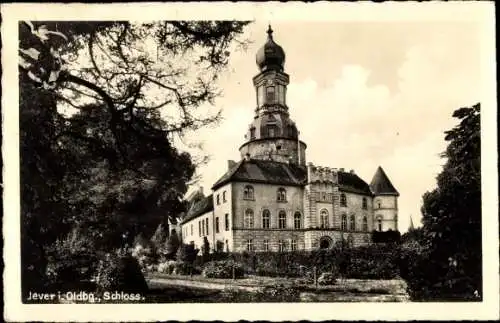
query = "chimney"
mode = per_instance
[
  {"x": 230, "y": 164},
  {"x": 201, "y": 190},
  {"x": 351, "y": 171},
  {"x": 341, "y": 169}
]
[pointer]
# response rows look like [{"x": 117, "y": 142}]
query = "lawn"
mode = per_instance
[{"x": 173, "y": 288}]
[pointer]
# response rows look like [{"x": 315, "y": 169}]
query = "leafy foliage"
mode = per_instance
[
  {"x": 223, "y": 269},
  {"x": 449, "y": 266},
  {"x": 172, "y": 245}
]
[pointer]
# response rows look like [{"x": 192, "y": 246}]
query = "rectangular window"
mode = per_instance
[
  {"x": 217, "y": 225},
  {"x": 249, "y": 245},
  {"x": 224, "y": 197},
  {"x": 218, "y": 200},
  {"x": 281, "y": 245},
  {"x": 293, "y": 245},
  {"x": 270, "y": 94},
  {"x": 191, "y": 229},
  {"x": 199, "y": 228},
  {"x": 206, "y": 222},
  {"x": 252, "y": 133},
  {"x": 226, "y": 222},
  {"x": 266, "y": 245}
]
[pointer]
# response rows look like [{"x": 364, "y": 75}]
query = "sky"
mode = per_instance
[{"x": 363, "y": 95}]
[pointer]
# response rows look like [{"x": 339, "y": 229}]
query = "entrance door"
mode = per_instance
[{"x": 325, "y": 243}]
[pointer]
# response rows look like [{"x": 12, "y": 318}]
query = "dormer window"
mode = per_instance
[
  {"x": 281, "y": 195},
  {"x": 343, "y": 200}
]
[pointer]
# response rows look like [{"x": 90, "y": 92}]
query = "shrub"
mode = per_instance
[
  {"x": 146, "y": 257},
  {"x": 328, "y": 278},
  {"x": 278, "y": 293},
  {"x": 120, "y": 273},
  {"x": 223, "y": 269},
  {"x": 167, "y": 267}
]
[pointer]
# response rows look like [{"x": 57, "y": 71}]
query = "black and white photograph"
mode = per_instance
[{"x": 276, "y": 156}]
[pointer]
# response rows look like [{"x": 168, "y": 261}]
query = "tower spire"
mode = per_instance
[
  {"x": 270, "y": 32},
  {"x": 411, "y": 223}
]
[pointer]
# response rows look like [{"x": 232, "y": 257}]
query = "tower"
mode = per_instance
[
  {"x": 385, "y": 202},
  {"x": 272, "y": 135}
]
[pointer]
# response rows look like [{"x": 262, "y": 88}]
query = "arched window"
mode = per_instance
[
  {"x": 352, "y": 223},
  {"x": 248, "y": 218},
  {"x": 297, "y": 220},
  {"x": 281, "y": 195},
  {"x": 270, "y": 94},
  {"x": 344, "y": 223},
  {"x": 365, "y": 224},
  {"x": 266, "y": 219},
  {"x": 282, "y": 219},
  {"x": 324, "y": 218},
  {"x": 248, "y": 193},
  {"x": 343, "y": 200},
  {"x": 379, "y": 224},
  {"x": 365, "y": 203},
  {"x": 379, "y": 204},
  {"x": 252, "y": 133}
]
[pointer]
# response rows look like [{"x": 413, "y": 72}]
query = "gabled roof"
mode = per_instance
[
  {"x": 201, "y": 207},
  {"x": 264, "y": 171},
  {"x": 350, "y": 182},
  {"x": 381, "y": 185}
]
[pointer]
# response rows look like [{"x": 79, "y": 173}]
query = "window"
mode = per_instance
[
  {"x": 365, "y": 203},
  {"x": 281, "y": 245},
  {"x": 248, "y": 218},
  {"x": 248, "y": 193},
  {"x": 206, "y": 221},
  {"x": 271, "y": 131},
  {"x": 282, "y": 219},
  {"x": 249, "y": 245},
  {"x": 365, "y": 224},
  {"x": 293, "y": 245},
  {"x": 270, "y": 94},
  {"x": 323, "y": 196},
  {"x": 343, "y": 200},
  {"x": 297, "y": 220},
  {"x": 191, "y": 229},
  {"x": 379, "y": 224},
  {"x": 281, "y": 195},
  {"x": 266, "y": 245},
  {"x": 199, "y": 227},
  {"x": 252, "y": 133},
  {"x": 266, "y": 219},
  {"x": 324, "y": 218},
  {"x": 226, "y": 222},
  {"x": 343, "y": 226},
  {"x": 218, "y": 200},
  {"x": 224, "y": 197},
  {"x": 352, "y": 223},
  {"x": 217, "y": 225},
  {"x": 379, "y": 204}
]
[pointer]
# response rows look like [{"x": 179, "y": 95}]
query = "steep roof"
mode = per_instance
[
  {"x": 381, "y": 185},
  {"x": 350, "y": 182},
  {"x": 264, "y": 171},
  {"x": 201, "y": 207}
]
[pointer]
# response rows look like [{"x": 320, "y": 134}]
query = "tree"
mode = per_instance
[
  {"x": 172, "y": 245},
  {"x": 100, "y": 106},
  {"x": 451, "y": 263}
]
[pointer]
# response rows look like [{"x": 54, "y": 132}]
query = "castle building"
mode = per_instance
[{"x": 272, "y": 199}]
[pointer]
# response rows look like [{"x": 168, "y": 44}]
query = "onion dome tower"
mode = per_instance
[{"x": 272, "y": 135}]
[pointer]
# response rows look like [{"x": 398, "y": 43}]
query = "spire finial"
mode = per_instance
[{"x": 270, "y": 31}]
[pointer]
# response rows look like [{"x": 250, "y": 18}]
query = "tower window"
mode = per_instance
[
  {"x": 343, "y": 226},
  {"x": 252, "y": 133},
  {"x": 365, "y": 203},
  {"x": 365, "y": 224},
  {"x": 270, "y": 94},
  {"x": 324, "y": 218},
  {"x": 271, "y": 131},
  {"x": 379, "y": 224}
]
